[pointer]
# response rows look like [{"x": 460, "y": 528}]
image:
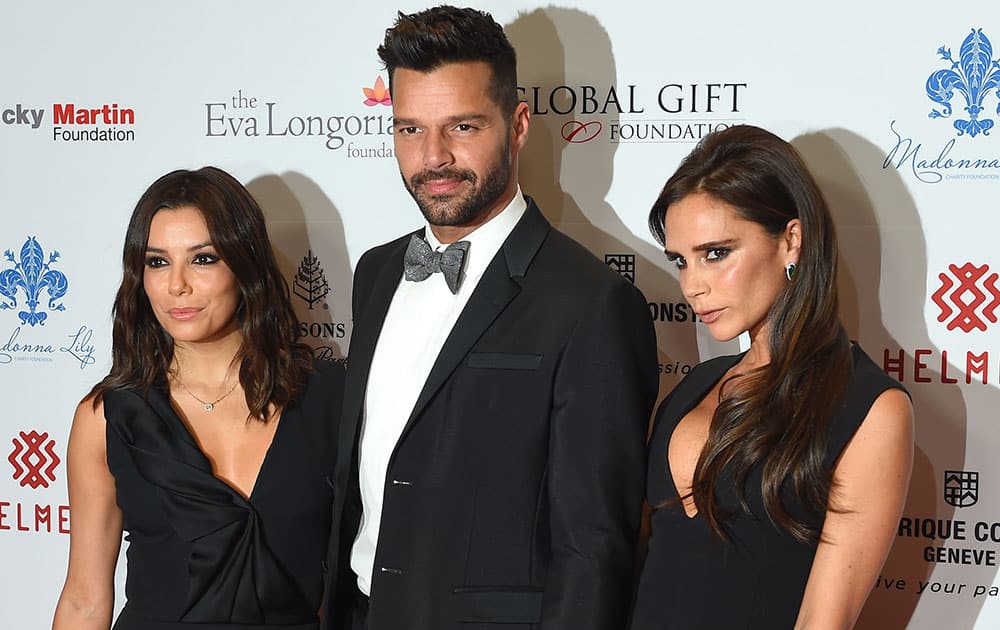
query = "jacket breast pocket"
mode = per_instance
[
  {"x": 498, "y": 604},
  {"x": 503, "y": 361}
]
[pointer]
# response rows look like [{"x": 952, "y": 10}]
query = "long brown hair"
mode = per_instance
[
  {"x": 273, "y": 365},
  {"x": 777, "y": 415}
]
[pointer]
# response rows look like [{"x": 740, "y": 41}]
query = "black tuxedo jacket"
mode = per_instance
[{"x": 513, "y": 495}]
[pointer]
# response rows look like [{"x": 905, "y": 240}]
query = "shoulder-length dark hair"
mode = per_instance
[
  {"x": 777, "y": 415},
  {"x": 273, "y": 365}
]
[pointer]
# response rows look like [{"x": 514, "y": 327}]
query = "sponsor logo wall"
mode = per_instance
[
  {"x": 311, "y": 288},
  {"x": 900, "y": 129},
  {"x": 35, "y": 461},
  {"x": 75, "y": 122},
  {"x": 34, "y": 288},
  {"x": 353, "y": 134},
  {"x": 963, "y": 90}
]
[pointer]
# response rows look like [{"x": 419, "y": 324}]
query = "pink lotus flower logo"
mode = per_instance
[{"x": 377, "y": 95}]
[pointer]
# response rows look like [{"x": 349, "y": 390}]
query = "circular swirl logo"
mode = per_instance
[{"x": 577, "y": 132}]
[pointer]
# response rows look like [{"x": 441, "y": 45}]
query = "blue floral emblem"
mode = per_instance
[
  {"x": 975, "y": 75},
  {"x": 33, "y": 275}
]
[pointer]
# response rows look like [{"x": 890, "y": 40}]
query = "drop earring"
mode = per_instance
[{"x": 790, "y": 271}]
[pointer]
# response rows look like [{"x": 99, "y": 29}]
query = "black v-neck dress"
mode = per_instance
[
  {"x": 200, "y": 555},
  {"x": 691, "y": 578}
]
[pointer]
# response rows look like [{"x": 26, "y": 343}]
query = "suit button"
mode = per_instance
[
  {"x": 400, "y": 482},
  {"x": 329, "y": 481},
  {"x": 391, "y": 571}
]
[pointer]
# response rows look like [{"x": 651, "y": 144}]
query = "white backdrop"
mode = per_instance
[{"x": 275, "y": 93}]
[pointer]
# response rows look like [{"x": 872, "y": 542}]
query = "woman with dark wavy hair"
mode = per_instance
[
  {"x": 777, "y": 476},
  {"x": 211, "y": 440}
]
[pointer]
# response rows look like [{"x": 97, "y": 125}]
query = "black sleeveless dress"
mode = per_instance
[
  {"x": 200, "y": 555},
  {"x": 691, "y": 578}
]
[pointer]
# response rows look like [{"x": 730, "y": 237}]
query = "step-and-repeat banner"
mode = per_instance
[{"x": 893, "y": 105}]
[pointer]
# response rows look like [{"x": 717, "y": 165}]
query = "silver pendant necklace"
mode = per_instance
[{"x": 206, "y": 405}]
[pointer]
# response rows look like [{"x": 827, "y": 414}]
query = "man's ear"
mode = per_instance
[{"x": 519, "y": 124}]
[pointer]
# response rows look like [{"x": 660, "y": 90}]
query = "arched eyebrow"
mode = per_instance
[
  {"x": 193, "y": 248},
  {"x": 704, "y": 247}
]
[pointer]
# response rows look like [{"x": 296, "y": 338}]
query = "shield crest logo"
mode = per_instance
[
  {"x": 961, "y": 487},
  {"x": 623, "y": 264}
]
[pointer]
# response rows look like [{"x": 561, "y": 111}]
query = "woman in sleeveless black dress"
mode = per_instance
[
  {"x": 776, "y": 477},
  {"x": 211, "y": 442}
]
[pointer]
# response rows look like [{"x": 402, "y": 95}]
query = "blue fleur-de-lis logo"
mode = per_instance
[
  {"x": 975, "y": 75},
  {"x": 33, "y": 275}
]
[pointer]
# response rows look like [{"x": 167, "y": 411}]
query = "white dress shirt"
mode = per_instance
[{"x": 419, "y": 320}]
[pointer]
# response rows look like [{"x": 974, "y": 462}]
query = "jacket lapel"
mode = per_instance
[
  {"x": 499, "y": 285},
  {"x": 367, "y": 328}
]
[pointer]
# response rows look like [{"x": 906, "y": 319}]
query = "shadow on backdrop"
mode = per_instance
[
  {"x": 559, "y": 46},
  {"x": 567, "y": 47},
  {"x": 307, "y": 234},
  {"x": 838, "y": 158}
]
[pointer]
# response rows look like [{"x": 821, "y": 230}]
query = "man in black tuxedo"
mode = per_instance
[{"x": 492, "y": 460}]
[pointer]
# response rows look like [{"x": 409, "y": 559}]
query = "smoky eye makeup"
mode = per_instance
[{"x": 717, "y": 253}]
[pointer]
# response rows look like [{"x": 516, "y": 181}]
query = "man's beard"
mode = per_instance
[{"x": 460, "y": 209}]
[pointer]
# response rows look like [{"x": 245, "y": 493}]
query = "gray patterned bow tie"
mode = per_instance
[{"x": 421, "y": 261}]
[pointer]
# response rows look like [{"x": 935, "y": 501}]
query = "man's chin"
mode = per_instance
[
  {"x": 443, "y": 215},
  {"x": 438, "y": 221}
]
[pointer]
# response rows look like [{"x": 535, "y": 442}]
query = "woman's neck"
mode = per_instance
[
  {"x": 759, "y": 352},
  {"x": 208, "y": 362}
]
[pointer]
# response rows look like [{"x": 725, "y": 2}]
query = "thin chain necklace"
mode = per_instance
[{"x": 206, "y": 405}]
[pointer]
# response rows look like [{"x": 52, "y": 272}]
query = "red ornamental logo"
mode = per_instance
[
  {"x": 34, "y": 459},
  {"x": 576, "y": 132},
  {"x": 967, "y": 296}
]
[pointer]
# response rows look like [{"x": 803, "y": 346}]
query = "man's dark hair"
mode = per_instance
[{"x": 427, "y": 40}]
